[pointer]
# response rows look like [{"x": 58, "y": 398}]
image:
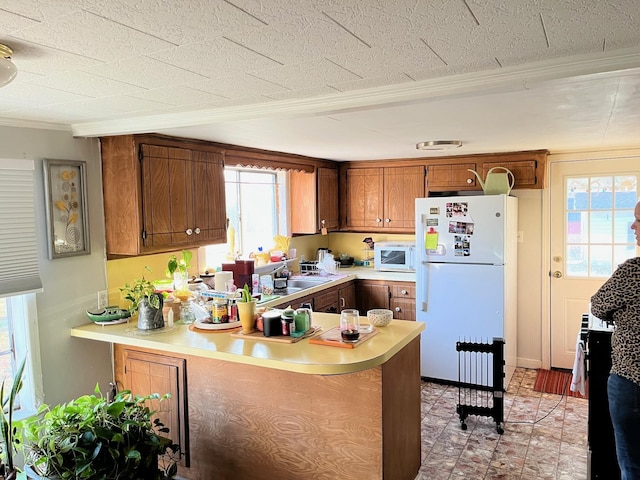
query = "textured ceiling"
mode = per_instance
[{"x": 340, "y": 79}]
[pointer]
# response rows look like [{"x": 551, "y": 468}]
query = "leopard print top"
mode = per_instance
[{"x": 618, "y": 300}]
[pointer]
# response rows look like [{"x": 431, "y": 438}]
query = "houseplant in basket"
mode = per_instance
[
  {"x": 91, "y": 437},
  {"x": 246, "y": 310}
]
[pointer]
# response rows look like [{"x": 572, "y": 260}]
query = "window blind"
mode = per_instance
[{"x": 18, "y": 242}]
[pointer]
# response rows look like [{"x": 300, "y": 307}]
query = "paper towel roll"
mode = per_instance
[{"x": 220, "y": 279}]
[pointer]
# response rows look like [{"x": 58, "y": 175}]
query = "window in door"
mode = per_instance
[{"x": 598, "y": 218}]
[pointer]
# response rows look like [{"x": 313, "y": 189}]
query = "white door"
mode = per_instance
[{"x": 591, "y": 205}]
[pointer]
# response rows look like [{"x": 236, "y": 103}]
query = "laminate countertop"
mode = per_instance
[{"x": 301, "y": 357}]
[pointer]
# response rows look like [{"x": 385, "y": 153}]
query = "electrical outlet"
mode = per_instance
[{"x": 103, "y": 299}]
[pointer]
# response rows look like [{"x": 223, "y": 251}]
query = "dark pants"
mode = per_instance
[{"x": 624, "y": 406}]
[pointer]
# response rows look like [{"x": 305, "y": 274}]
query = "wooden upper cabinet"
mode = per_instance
[
  {"x": 161, "y": 195},
  {"x": 524, "y": 172},
  {"x": 314, "y": 200},
  {"x": 452, "y": 173},
  {"x": 383, "y": 198},
  {"x": 328, "y": 212},
  {"x": 402, "y": 185},
  {"x": 451, "y": 177},
  {"x": 364, "y": 198}
]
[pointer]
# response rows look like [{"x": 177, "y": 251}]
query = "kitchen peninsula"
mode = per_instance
[{"x": 256, "y": 409}]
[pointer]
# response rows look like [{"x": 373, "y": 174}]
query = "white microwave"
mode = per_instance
[{"x": 394, "y": 256}]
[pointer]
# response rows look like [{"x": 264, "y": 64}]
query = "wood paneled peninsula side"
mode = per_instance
[{"x": 257, "y": 409}]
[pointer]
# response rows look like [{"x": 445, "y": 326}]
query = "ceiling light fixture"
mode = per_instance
[
  {"x": 8, "y": 70},
  {"x": 439, "y": 144}
]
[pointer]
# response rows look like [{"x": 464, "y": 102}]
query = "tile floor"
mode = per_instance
[{"x": 554, "y": 447}]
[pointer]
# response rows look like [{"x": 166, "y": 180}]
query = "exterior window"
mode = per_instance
[
  {"x": 16, "y": 342},
  {"x": 256, "y": 212},
  {"x": 598, "y": 218}
]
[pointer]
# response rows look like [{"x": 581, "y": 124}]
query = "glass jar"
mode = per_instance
[{"x": 302, "y": 322}]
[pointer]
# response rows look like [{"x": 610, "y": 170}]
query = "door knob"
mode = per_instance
[{"x": 557, "y": 274}]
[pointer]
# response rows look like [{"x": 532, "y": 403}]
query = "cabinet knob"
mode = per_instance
[
  {"x": 403, "y": 292},
  {"x": 189, "y": 231},
  {"x": 397, "y": 309},
  {"x": 322, "y": 222},
  {"x": 388, "y": 220},
  {"x": 469, "y": 180},
  {"x": 378, "y": 220},
  {"x": 197, "y": 231},
  {"x": 342, "y": 302}
]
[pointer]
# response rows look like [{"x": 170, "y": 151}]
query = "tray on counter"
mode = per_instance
[
  {"x": 257, "y": 335},
  {"x": 332, "y": 338}
]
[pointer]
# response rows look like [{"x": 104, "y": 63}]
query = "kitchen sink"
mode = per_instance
[
  {"x": 303, "y": 283},
  {"x": 287, "y": 291}
]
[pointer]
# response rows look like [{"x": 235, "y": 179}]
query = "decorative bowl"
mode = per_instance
[{"x": 379, "y": 317}]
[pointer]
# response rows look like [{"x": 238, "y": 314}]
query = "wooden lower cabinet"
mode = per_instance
[
  {"x": 248, "y": 422},
  {"x": 145, "y": 373},
  {"x": 400, "y": 297},
  {"x": 403, "y": 301},
  {"x": 347, "y": 296},
  {"x": 331, "y": 300},
  {"x": 372, "y": 294}
]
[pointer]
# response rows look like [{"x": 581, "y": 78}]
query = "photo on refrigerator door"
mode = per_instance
[
  {"x": 461, "y": 246},
  {"x": 461, "y": 227},
  {"x": 457, "y": 209}
]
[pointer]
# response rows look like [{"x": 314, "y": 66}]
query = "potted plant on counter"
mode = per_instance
[
  {"x": 92, "y": 438},
  {"x": 246, "y": 310},
  {"x": 144, "y": 300},
  {"x": 178, "y": 268}
]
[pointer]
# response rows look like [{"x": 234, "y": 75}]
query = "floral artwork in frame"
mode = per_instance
[{"x": 66, "y": 196}]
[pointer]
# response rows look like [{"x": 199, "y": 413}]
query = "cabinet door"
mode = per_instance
[
  {"x": 454, "y": 176},
  {"x": 302, "y": 201},
  {"x": 403, "y": 308},
  {"x": 371, "y": 295},
  {"x": 327, "y": 193},
  {"x": 347, "y": 296},
  {"x": 295, "y": 304},
  {"x": 524, "y": 171},
  {"x": 166, "y": 195},
  {"x": 365, "y": 197},
  {"x": 402, "y": 185},
  {"x": 208, "y": 219},
  {"x": 326, "y": 301},
  {"x": 146, "y": 373}
]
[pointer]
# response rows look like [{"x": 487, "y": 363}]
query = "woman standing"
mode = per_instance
[{"x": 618, "y": 300}]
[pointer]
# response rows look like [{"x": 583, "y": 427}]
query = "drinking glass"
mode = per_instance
[{"x": 350, "y": 325}]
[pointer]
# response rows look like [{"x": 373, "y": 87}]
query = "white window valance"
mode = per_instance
[{"x": 19, "y": 271}]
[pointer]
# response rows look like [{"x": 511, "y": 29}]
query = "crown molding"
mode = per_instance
[
  {"x": 40, "y": 125},
  {"x": 519, "y": 77}
]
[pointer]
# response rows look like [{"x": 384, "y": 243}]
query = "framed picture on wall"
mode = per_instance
[{"x": 65, "y": 185}]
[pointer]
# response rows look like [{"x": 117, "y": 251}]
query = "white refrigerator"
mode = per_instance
[{"x": 466, "y": 278}]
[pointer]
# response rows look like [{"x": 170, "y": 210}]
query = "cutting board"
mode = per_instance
[
  {"x": 257, "y": 335},
  {"x": 332, "y": 338}
]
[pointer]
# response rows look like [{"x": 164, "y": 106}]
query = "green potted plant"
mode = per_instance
[
  {"x": 178, "y": 268},
  {"x": 135, "y": 291},
  {"x": 246, "y": 310},
  {"x": 8, "y": 469},
  {"x": 145, "y": 301},
  {"x": 91, "y": 437}
]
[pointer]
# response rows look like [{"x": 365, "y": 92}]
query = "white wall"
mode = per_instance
[
  {"x": 70, "y": 366},
  {"x": 530, "y": 302}
]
